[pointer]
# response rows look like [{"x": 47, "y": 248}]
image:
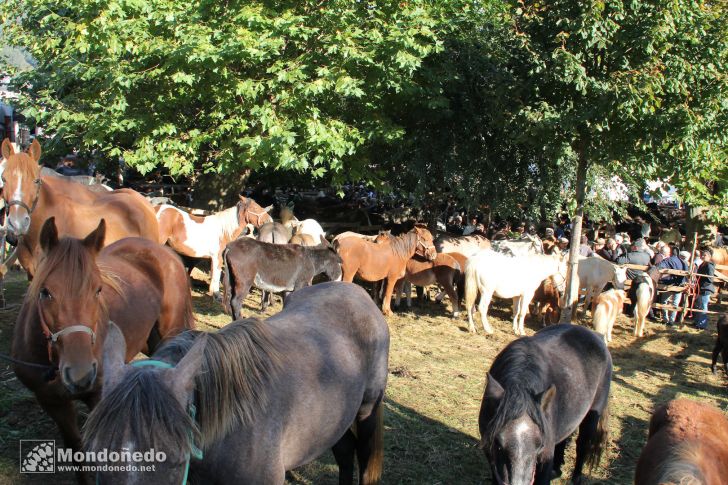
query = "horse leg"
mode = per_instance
[
  {"x": 215, "y": 272},
  {"x": 344, "y": 455},
  {"x": 516, "y": 313},
  {"x": 523, "y": 304},
  {"x": 543, "y": 473},
  {"x": 450, "y": 290},
  {"x": 716, "y": 350},
  {"x": 585, "y": 443},
  {"x": 236, "y": 302},
  {"x": 387, "y": 301},
  {"x": 483, "y": 308},
  {"x": 63, "y": 412},
  {"x": 559, "y": 458}
]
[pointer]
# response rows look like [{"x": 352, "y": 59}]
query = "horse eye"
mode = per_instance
[
  {"x": 98, "y": 292},
  {"x": 45, "y": 294}
]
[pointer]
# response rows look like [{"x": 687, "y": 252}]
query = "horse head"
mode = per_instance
[
  {"x": 22, "y": 182},
  {"x": 425, "y": 244},
  {"x": 152, "y": 392},
  {"x": 67, "y": 288},
  {"x": 513, "y": 433},
  {"x": 249, "y": 212}
]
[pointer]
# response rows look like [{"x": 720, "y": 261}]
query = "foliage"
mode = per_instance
[{"x": 221, "y": 86}]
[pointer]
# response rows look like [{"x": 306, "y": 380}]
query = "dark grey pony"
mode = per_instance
[
  {"x": 272, "y": 267},
  {"x": 269, "y": 395},
  {"x": 274, "y": 233},
  {"x": 539, "y": 390}
]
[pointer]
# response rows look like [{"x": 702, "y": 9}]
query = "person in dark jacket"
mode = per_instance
[
  {"x": 610, "y": 251},
  {"x": 638, "y": 255},
  {"x": 672, "y": 298},
  {"x": 706, "y": 288}
]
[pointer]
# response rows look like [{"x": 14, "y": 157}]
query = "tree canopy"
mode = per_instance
[{"x": 496, "y": 103}]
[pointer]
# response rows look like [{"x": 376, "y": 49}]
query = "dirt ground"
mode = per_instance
[{"x": 436, "y": 380}]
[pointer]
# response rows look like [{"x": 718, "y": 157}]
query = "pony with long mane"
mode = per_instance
[
  {"x": 687, "y": 444},
  {"x": 539, "y": 390},
  {"x": 32, "y": 198},
  {"x": 644, "y": 294},
  {"x": 387, "y": 258},
  {"x": 206, "y": 237},
  {"x": 490, "y": 273},
  {"x": 79, "y": 287},
  {"x": 269, "y": 395}
]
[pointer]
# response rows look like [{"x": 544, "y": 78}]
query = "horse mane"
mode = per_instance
[
  {"x": 402, "y": 245},
  {"x": 519, "y": 372},
  {"x": 149, "y": 411},
  {"x": 681, "y": 467},
  {"x": 75, "y": 262},
  {"x": 24, "y": 165},
  {"x": 228, "y": 219}
]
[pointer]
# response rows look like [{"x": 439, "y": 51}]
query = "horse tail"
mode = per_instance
[
  {"x": 375, "y": 464},
  {"x": 600, "y": 317},
  {"x": 226, "y": 284},
  {"x": 471, "y": 286},
  {"x": 597, "y": 442}
]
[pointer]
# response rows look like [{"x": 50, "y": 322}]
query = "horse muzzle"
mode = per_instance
[
  {"x": 79, "y": 378},
  {"x": 18, "y": 224}
]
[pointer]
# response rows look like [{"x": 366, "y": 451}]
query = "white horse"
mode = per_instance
[
  {"x": 594, "y": 273},
  {"x": 645, "y": 293},
  {"x": 206, "y": 237},
  {"x": 519, "y": 247},
  {"x": 307, "y": 226},
  {"x": 465, "y": 245},
  {"x": 493, "y": 273}
]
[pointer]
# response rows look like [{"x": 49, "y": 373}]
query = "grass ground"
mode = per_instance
[{"x": 436, "y": 380}]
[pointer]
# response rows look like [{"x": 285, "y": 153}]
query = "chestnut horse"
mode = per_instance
[
  {"x": 77, "y": 289},
  {"x": 444, "y": 271},
  {"x": 32, "y": 198},
  {"x": 687, "y": 443},
  {"x": 206, "y": 237},
  {"x": 374, "y": 261}
]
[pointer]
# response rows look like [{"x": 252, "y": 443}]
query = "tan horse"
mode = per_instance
[
  {"x": 374, "y": 261},
  {"x": 31, "y": 199},
  {"x": 78, "y": 288},
  {"x": 206, "y": 237}
]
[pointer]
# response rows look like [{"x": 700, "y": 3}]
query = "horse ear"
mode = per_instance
[
  {"x": 546, "y": 398},
  {"x": 324, "y": 241},
  {"x": 114, "y": 357},
  {"x": 269, "y": 208},
  {"x": 95, "y": 240},
  {"x": 493, "y": 389},
  {"x": 34, "y": 150},
  {"x": 49, "y": 235},
  {"x": 183, "y": 380},
  {"x": 7, "y": 148}
]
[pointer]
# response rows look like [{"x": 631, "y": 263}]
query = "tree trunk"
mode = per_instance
[{"x": 571, "y": 293}]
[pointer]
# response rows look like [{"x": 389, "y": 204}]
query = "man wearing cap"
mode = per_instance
[
  {"x": 672, "y": 298},
  {"x": 610, "y": 251},
  {"x": 599, "y": 244}
]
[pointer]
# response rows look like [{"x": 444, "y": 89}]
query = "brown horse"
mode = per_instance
[
  {"x": 31, "y": 199},
  {"x": 206, "y": 237},
  {"x": 687, "y": 443},
  {"x": 374, "y": 261},
  {"x": 444, "y": 271},
  {"x": 78, "y": 288}
]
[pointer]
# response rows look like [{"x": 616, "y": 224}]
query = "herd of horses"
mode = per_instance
[{"x": 260, "y": 397}]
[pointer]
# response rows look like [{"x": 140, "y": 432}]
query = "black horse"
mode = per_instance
[
  {"x": 539, "y": 390},
  {"x": 272, "y": 267}
]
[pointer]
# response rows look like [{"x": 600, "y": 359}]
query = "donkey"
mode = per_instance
[
  {"x": 539, "y": 390},
  {"x": 272, "y": 267},
  {"x": 268, "y": 396}
]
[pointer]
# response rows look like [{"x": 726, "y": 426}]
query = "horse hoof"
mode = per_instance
[{"x": 456, "y": 314}]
